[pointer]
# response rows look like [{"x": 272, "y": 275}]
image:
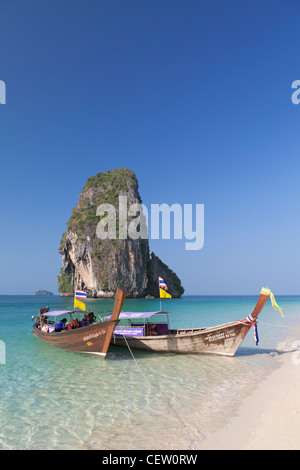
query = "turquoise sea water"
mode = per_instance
[{"x": 51, "y": 399}]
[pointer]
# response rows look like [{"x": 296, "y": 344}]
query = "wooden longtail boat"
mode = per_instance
[
  {"x": 220, "y": 340},
  {"x": 90, "y": 338}
]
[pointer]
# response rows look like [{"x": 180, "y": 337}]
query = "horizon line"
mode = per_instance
[{"x": 141, "y": 298}]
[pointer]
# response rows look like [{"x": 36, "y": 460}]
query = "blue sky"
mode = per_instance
[{"x": 194, "y": 96}]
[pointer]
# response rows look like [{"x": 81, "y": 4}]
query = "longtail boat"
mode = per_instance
[
  {"x": 222, "y": 340},
  {"x": 89, "y": 336}
]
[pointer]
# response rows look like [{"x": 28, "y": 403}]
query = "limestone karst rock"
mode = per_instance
[{"x": 99, "y": 266}]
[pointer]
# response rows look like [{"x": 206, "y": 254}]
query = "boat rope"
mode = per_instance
[
  {"x": 136, "y": 363},
  {"x": 279, "y": 326},
  {"x": 178, "y": 416}
]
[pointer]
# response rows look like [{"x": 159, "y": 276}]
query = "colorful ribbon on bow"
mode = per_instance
[
  {"x": 250, "y": 321},
  {"x": 275, "y": 304},
  {"x": 267, "y": 291}
]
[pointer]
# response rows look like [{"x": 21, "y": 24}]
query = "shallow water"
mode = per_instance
[{"x": 53, "y": 399}]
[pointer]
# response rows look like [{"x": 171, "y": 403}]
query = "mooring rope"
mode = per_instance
[
  {"x": 279, "y": 326},
  {"x": 149, "y": 383},
  {"x": 180, "y": 418}
]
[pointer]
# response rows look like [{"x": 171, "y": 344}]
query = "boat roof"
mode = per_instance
[
  {"x": 129, "y": 315},
  {"x": 56, "y": 313}
]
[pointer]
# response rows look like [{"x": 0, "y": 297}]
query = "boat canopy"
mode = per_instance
[
  {"x": 130, "y": 315},
  {"x": 56, "y": 313}
]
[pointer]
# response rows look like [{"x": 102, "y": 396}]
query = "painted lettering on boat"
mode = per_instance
[
  {"x": 220, "y": 336},
  {"x": 94, "y": 335}
]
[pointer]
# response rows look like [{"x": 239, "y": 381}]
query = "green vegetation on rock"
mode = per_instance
[
  {"x": 100, "y": 189},
  {"x": 65, "y": 281},
  {"x": 176, "y": 283}
]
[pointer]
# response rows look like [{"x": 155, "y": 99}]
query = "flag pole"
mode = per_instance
[
  {"x": 159, "y": 294},
  {"x": 74, "y": 285}
]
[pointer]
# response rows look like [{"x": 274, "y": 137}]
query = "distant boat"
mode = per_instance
[
  {"x": 221, "y": 340},
  {"x": 89, "y": 336}
]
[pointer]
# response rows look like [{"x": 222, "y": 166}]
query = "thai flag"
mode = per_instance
[
  {"x": 80, "y": 294},
  {"x": 162, "y": 284}
]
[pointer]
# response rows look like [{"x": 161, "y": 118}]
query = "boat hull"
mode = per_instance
[
  {"x": 91, "y": 339},
  {"x": 221, "y": 340},
  {"x": 88, "y": 339}
]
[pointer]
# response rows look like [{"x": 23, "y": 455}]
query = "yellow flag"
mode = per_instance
[
  {"x": 79, "y": 304},
  {"x": 164, "y": 295}
]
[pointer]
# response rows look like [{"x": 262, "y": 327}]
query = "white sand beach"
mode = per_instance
[{"x": 269, "y": 418}]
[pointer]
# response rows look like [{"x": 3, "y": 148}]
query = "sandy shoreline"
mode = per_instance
[{"x": 269, "y": 418}]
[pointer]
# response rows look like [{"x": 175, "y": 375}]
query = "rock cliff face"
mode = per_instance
[
  {"x": 157, "y": 268},
  {"x": 99, "y": 266}
]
